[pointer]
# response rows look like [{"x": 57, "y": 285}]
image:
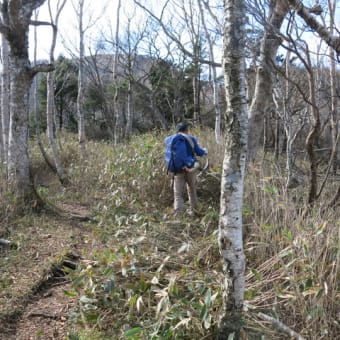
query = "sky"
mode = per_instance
[
  {"x": 98, "y": 14},
  {"x": 101, "y": 15}
]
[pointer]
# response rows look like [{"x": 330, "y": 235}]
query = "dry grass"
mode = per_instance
[{"x": 145, "y": 274}]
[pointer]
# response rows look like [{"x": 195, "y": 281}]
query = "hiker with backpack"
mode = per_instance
[{"x": 180, "y": 153}]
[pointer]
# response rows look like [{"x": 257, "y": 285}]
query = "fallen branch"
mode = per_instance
[
  {"x": 282, "y": 327},
  {"x": 44, "y": 315}
]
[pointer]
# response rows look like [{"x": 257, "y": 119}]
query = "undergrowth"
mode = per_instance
[{"x": 152, "y": 276}]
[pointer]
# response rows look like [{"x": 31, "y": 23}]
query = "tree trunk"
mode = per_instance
[
  {"x": 50, "y": 105},
  {"x": 18, "y": 159},
  {"x": 14, "y": 25},
  {"x": 311, "y": 141},
  {"x": 117, "y": 119},
  {"x": 262, "y": 103},
  {"x": 218, "y": 120},
  {"x": 35, "y": 104},
  {"x": 230, "y": 224},
  {"x": 80, "y": 97},
  {"x": 334, "y": 97},
  {"x": 129, "y": 113},
  {"x": 5, "y": 99}
]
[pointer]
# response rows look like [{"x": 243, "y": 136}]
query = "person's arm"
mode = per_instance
[{"x": 198, "y": 150}]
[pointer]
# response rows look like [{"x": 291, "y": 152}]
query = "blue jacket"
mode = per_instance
[{"x": 181, "y": 150}]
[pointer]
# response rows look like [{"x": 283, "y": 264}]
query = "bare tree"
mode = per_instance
[
  {"x": 14, "y": 25},
  {"x": 307, "y": 14},
  {"x": 230, "y": 224},
  {"x": 216, "y": 94},
  {"x": 262, "y": 100},
  {"x": 81, "y": 88},
  {"x": 85, "y": 23},
  {"x": 189, "y": 20},
  {"x": 35, "y": 102},
  {"x": 50, "y": 105},
  {"x": 115, "y": 77}
]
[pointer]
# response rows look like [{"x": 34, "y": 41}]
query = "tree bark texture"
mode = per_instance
[
  {"x": 5, "y": 97},
  {"x": 230, "y": 224},
  {"x": 333, "y": 84}
]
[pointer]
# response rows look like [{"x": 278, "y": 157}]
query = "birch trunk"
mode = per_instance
[
  {"x": 334, "y": 96},
  {"x": 50, "y": 105},
  {"x": 262, "y": 103},
  {"x": 129, "y": 113},
  {"x": 81, "y": 89},
  {"x": 115, "y": 80},
  {"x": 35, "y": 103},
  {"x": 218, "y": 120},
  {"x": 230, "y": 224},
  {"x": 196, "y": 84},
  {"x": 14, "y": 25},
  {"x": 5, "y": 98}
]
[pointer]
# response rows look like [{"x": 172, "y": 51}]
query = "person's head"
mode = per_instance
[{"x": 182, "y": 127}]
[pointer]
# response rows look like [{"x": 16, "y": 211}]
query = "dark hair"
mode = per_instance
[{"x": 181, "y": 127}]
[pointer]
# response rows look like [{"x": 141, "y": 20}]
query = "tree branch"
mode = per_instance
[
  {"x": 41, "y": 68},
  {"x": 282, "y": 327},
  {"x": 173, "y": 38},
  {"x": 40, "y": 23},
  {"x": 305, "y": 14}
]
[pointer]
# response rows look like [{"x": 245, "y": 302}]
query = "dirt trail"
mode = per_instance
[
  {"x": 45, "y": 317},
  {"x": 33, "y": 304}
]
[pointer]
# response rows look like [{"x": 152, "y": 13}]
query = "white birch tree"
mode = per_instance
[
  {"x": 50, "y": 104},
  {"x": 230, "y": 224},
  {"x": 81, "y": 65},
  {"x": 117, "y": 119},
  {"x": 216, "y": 94},
  {"x": 333, "y": 85},
  {"x": 4, "y": 98},
  {"x": 262, "y": 103},
  {"x": 14, "y": 25}
]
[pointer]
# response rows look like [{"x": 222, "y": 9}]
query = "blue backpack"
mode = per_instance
[{"x": 179, "y": 153}]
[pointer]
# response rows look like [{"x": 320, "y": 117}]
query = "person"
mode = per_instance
[{"x": 188, "y": 175}]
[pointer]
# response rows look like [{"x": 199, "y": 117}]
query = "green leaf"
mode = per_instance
[
  {"x": 257, "y": 275},
  {"x": 204, "y": 312},
  {"x": 271, "y": 190},
  {"x": 207, "y": 298},
  {"x": 133, "y": 331},
  {"x": 79, "y": 281},
  {"x": 70, "y": 294}
]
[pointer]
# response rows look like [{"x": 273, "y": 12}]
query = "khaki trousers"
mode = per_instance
[{"x": 180, "y": 180}]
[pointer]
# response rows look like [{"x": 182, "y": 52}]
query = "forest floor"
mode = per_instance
[
  {"x": 116, "y": 264},
  {"x": 33, "y": 278},
  {"x": 32, "y": 298}
]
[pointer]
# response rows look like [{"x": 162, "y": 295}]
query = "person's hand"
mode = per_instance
[{"x": 205, "y": 151}]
